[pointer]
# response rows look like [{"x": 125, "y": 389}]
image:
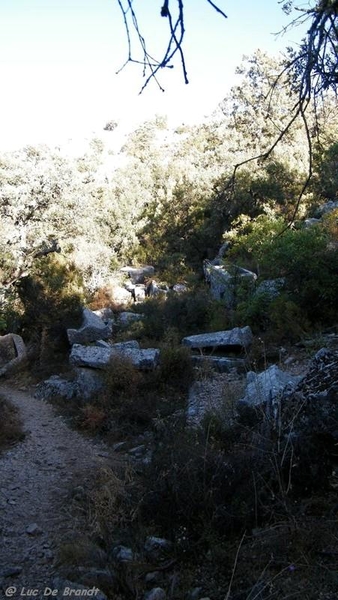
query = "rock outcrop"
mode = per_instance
[{"x": 13, "y": 353}]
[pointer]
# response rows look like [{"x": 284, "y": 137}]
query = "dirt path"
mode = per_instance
[{"x": 35, "y": 480}]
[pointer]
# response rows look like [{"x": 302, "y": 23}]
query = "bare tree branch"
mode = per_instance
[
  {"x": 309, "y": 73},
  {"x": 174, "y": 46}
]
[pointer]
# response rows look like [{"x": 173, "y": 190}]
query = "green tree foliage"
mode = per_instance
[
  {"x": 306, "y": 259},
  {"x": 166, "y": 197},
  {"x": 325, "y": 182},
  {"x": 52, "y": 299}
]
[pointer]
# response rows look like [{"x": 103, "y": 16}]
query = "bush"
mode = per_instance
[
  {"x": 52, "y": 298},
  {"x": 306, "y": 258},
  {"x": 196, "y": 485},
  {"x": 127, "y": 397},
  {"x": 281, "y": 317},
  {"x": 122, "y": 379},
  {"x": 187, "y": 313},
  {"x": 176, "y": 367}
]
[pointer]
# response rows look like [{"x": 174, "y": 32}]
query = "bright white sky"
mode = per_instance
[{"x": 58, "y": 60}]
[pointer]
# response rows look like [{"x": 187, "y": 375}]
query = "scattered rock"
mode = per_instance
[
  {"x": 223, "y": 282},
  {"x": 125, "y": 319},
  {"x": 267, "y": 386},
  {"x": 93, "y": 328},
  {"x": 88, "y": 383},
  {"x": 83, "y": 386},
  {"x": 120, "y": 295},
  {"x": 153, "y": 577},
  {"x": 56, "y": 386},
  {"x": 106, "y": 314},
  {"x": 90, "y": 356},
  {"x": 13, "y": 353},
  {"x": 68, "y": 588},
  {"x": 33, "y": 529},
  {"x": 138, "y": 274},
  {"x": 156, "y": 545},
  {"x": 100, "y": 358},
  {"x": 123, "y": 554},
  {"x": 235, "y": 340},
  {"x": 221, "y": 364},
  {"x": 155, "y": 594}
]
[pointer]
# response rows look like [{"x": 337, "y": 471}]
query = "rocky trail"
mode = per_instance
[{"x": 36, "y": 479}]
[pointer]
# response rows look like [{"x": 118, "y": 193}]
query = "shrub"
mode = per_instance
[
  {"x": 122, "y": 379},
  {"x": 306, "y": 258},
  {"x": 188, "y": 313},
  {"x": 281, "y": 317},
  {"x": 176, "y": 367},
  {"x": 195, "y": 484},
  {"x": 127, "y": 398},
  {"x": 52, "y": 294}
]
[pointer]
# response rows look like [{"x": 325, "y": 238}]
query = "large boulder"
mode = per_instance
[
  {"x": 88, "y": 383},
  {"x": 138, "y": 274},
  {"x": 106, "y": 314},
  {"x": 156, "y": 289},
  {"x": 100, "y": 358},
  {"x": 94, "y": 357},
  {"x": 13, "y": 353},
  {"x": 92, "y": 328},
  {"x": 83, "y": 386},
  {"x": 224, "y": 281},
  {"x": 235, "y": 340},
  {"x": 119, "y": 294},
  {"x": 56, "y": 386},
  {"x": 136, "y": 290},
  {"x": 267, "y": 386}
]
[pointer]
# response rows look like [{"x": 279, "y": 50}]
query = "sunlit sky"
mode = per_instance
[{"x": 58, "y": 63}]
